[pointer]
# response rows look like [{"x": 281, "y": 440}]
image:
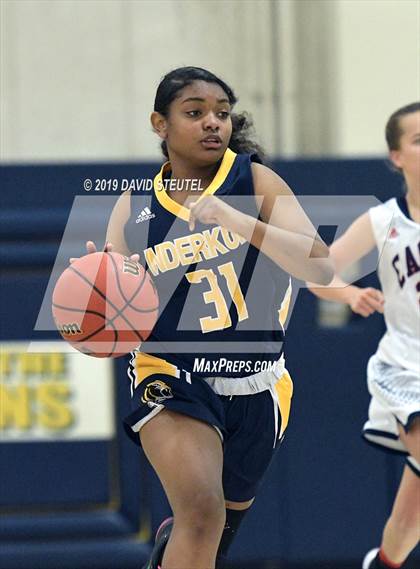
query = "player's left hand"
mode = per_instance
[
  {"x": 108, "y": 248},
  {"x": 210, "y": 209}
]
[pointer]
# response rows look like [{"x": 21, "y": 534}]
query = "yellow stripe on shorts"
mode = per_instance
[
  {"x": 284, "y": 390},
  {"x": 147, "y": 365}
]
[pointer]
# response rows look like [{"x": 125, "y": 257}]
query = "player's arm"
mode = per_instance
[
  {"x": 115, "y": 240},
  {"x": 285, "y": 235},
  {"x": 119, "y": 217},
  {"x": 354, "y": 244}
]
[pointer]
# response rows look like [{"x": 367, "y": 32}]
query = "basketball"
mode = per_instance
[{"x": 105, "y": 305}]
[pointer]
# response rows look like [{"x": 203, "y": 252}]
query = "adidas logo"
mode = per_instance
[{"x": 145, "y": 215}]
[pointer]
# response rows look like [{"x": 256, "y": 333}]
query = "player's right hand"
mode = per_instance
[
  {"x": 91, "y": 248},
  {"x": 366, "y": 301}
]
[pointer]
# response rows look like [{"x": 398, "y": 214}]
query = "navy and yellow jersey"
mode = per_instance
[{"x": 219, "y": 296}]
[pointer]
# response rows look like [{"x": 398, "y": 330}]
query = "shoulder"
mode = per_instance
[
  {"x": 381, "y": 215},
  {"x": 356, "y": 242},
  {"x": 390, "y": 206},
  {"x": 267, "y": 182}
]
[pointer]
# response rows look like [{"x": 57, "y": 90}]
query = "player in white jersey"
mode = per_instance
[{"x": 393, "y": 228}]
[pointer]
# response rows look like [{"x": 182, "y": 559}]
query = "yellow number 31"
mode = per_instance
[{"x": 223, "y": 319}]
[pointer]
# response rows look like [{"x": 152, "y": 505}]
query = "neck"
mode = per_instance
[
  {"x": 413, "y": 203},
  {"x": 202, "y": 176},
  {"x": 184, "y": 170},
  {"x": 412, "y": 184}
]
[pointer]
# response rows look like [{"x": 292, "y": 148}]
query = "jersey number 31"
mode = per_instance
[{"x": 215, "y": 295}]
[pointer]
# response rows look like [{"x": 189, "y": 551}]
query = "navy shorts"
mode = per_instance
[{"x": 251, "y": 426}]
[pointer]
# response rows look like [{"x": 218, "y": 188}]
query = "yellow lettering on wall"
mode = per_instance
[
  {"x": 54, "y": 411},
  {"x": 15, "y": 406},
  {"x": 57, "y": 363},
  {"x": 26, "y": 364},
  {"x": 31, "y": 364},
  {"x": 5, "y": 363}
]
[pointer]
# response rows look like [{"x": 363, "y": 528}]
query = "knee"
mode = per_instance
[{"x": 204, "y": 511}]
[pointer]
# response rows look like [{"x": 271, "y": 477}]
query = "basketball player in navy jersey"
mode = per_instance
[
  {"x": 394, "y": 371},
  {"x": 210, "y": 422}
]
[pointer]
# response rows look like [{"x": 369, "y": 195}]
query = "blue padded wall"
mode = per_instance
[{"x": 326, "y": 495}]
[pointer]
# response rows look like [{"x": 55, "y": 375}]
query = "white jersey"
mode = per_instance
[{"x": 398, "y": 240}]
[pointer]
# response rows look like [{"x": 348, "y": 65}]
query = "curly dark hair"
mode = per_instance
[{"x": 242, "y": 140}]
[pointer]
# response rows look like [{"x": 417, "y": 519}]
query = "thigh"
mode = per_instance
[
  {"x": 186, "y": 454},
  {"x": 406, "y": 503}
]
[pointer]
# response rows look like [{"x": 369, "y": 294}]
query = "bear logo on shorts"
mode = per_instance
[{"x": 156, "y": 392}]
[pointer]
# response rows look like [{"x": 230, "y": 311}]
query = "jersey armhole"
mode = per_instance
[{"x": 380, "y": 218}]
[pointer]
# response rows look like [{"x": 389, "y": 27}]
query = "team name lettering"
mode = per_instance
[
  {"x": 412, "y": 266},
  {"x": 191, "y": 249}
]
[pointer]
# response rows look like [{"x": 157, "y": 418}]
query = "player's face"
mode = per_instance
[
  {"x": 199, "y": 125},
  {"x": 407, "y": 157}
]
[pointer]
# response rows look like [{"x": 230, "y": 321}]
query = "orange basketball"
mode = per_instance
[{"x": 105, "y": 305}]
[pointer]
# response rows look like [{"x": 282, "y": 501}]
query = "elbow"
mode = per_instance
[
  {"x": 318, "y": 272},
  {"x": 327, "y": 274},
  {"x": 325, "y": 270},
  {"x": 323, "y": 273}
]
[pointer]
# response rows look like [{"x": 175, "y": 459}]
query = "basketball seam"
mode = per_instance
[
  {"x": 128, "y": 302},
  {"x": 97, "y": 331},
  {"x": 97, "y": 290},
  {"x": 108, "y": 321},
  {"x": 79, "y": 310}
]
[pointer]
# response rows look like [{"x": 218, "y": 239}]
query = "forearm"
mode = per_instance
[
  {"x": 119, "y": 217},
  {"x": 336, "y": 291},
  {"x": 300, "y": 255},
  {"x": 115, "y": 235}
]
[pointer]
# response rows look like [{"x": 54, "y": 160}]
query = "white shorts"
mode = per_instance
[{"x": 395, "y": 400}]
